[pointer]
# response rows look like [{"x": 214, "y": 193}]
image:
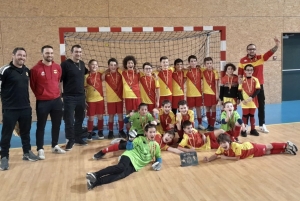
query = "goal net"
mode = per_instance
[{"x": 146, "y": 44}]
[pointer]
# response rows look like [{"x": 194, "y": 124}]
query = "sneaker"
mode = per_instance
[
  {"x": 110, "y": 135},
  {"x": 244, "y": 133},
  {"x": 98, "y": 155},
  {"x": 90, "y": 138},
  {"x": 201, "y": 127},
  {"x": 291, "y": 146},
  {"x": 122, "y": 134},
  {"x": 287, "y": 151},
  {"x": 4, "y": 164},
  {"x": 58, "y": 150},
  {"x": 30, "y": 156},
  {"x": 90, "y": 180},
  {"x": 41, "y": 154},
  {"x": 70, "y": 144},
  {"x": 116, "y": 140},
  {"x": 254, "y": 132},
  {"x": 80, "y": 142},
  {"x": 210, "y": 128},
  {"x": 100, "y": 135},
  {"x": 263, "y": 129}
]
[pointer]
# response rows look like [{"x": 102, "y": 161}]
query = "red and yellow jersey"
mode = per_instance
[
  {"x": 247, "y": 88},
  {"x": 148, "y": 86},
  {"x": 130, "y": 79},
  {"x": 189, "y": 116},
  {"x": 227, "y": 81},
  {"x": 165, "y": 120},
  {"x": 159, "y": 139},
  {"x": 209, "y": 81},
  {"x": 165, "y": 81},
  {"x": 193, "y": 82},
  {"x": 93, "y": 86},
  {"x": 258, "y": 62},
  {"x": 114, "y": 87},
  {"x": 194, "y": 140},
  {"x": 244, "y": 150},
  {"x": 178, "y": 83}
]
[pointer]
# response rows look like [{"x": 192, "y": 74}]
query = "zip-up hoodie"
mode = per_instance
[{"x": 44, "y": 81}]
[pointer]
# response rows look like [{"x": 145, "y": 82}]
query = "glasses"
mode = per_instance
[
  {"x": 249, "y": 70},
  {"x": 251, "y": 49}
]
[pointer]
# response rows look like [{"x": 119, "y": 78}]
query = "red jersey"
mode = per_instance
[{"x": 114, "y": 87}]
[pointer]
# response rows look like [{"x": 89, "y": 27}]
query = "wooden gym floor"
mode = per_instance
[{"x": 62, "y": 177}]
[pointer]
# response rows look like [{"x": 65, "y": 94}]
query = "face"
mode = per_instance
[
  {"x": 143, "y": 110},
  {"x": 249, "y": 71},
  {"x": 167, "y": 108},
  {"x": 164, "y": 64},
  {"x": 251, "y": 50},
  {"x": 93, "y": 66},
  {"x": 229, "y": 107},
  {"x": 48, "y": 54},
  {"x": 113, "y": 66},
  {"x": 179, "y": 66},
  {"x": 147, "y": 70},
  {"x": 76, "y": 54},
  {"x": 193, "y": 63},
  {"x": 229, "y": 70},
  {"x": 209, "y": 65},
  {"x": 150, "y": 134},
  {"x": 183, "y": 109},
  {"x": 130, "y": 65},
  {"x": 225, "y": 145},
  {"x": 167, "y": 138},
  {"x": 19, "y": 58},
  {"x": 188, "y": 129}
]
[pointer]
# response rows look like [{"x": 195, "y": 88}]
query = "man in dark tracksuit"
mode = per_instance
[
  {"x": 73, "y": 71},
  {"x": 15, "y": 106}
]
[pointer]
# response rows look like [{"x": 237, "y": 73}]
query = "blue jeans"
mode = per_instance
[{"x": 74, "y": 107}]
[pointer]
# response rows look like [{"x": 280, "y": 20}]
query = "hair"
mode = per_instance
[
  {"x": 112, "y": 60},
  {"x": 227, "y": 102},
  {"x": 207, "y": 59},
  {"x": 166, "y": 102},
  {"x": 223, "y": 138},
  {"x": 250, "y": 45},
  {"x": 186, "y": 123},
  {"x": 142, "y": 105},
  {"x": 163, "y": 58},
  {"x": 129, "y": 58},
  {"x": 171, "y": 132},
  {"x": 147, "y": 64},
  {"x": 249, "y": 65},
  {"x": 75, "y": 46},
  {"x": 149, "y": 125},
  {"x": 182, "y": 102},
  {"x": 17, "y": 49},
  {"x": 46, "y": 46},
  {"x": 229, "y": 65},
  {"x": 192, "y": 57},
  {"x": 177, "y": 61},
  {"x": 92, "y": 60}
]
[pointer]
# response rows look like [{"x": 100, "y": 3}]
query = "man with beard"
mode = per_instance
[
  {"x": 73, "y": 71},
  {"x": 14, "y": 79},
  {"x": 44, "y": 82}
]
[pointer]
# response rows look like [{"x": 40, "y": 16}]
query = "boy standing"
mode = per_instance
[
  {"x": 177, "y": 84},
  {"x": 165, "y": 80}
]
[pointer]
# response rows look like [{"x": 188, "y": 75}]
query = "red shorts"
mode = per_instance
[
  {"x": 213, "y": 140},
  {"x": 151, "y": 107},
  {"x": 115, "y": 108},
  {"x": 94, "y": 108},
  {"x": 209, "y": 100},
  {"x": 175, "y": 100},
  {"x": 162, "y": 98},
  {"x": 259, "y": 149},
  {"x": 132, "y": 103},
  {"x": 247, "y": 111},
  {"x": 194, "y": 101}
]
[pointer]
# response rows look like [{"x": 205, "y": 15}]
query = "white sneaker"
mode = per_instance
[
  {"x": 116, "y": 140},
  {"x": 41, "y": 154},
  {"x": 263, "y": 129},
  {"x": 58, "y": 150},
  {"x": 201, "y": 127}
]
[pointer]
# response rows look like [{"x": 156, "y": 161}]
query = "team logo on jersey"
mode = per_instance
[
  {"x": 43, "y": 73},
  {"x": 55, "y": 71}
]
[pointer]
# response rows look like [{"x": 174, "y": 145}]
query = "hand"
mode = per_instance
[
  {"x": 155, "y": 111},
  {"x": 206, "y": 159},
  {"x": 204, "y": 138},
  {"x": 178, "y": 117},
  {"x": 131, "y": 113},
  {"x": 171, "y": 125},
  {"x": 241, "y": 80},
  {"x": 153, "y": 122},
  {"x": 244, "y": 102},
  {"x": 156, "y": 166},
  {"x": 131, "y": 135},
  {"x": 249, "y": 99},
  {"x": 277, "y": 42}
]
